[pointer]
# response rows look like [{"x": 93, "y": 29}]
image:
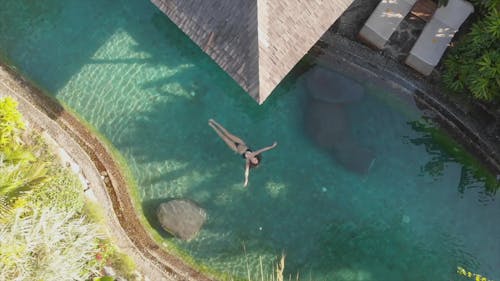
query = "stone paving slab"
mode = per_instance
[
  {"x": 384, "y": 20},
  {"x": 404, "y": 38}
]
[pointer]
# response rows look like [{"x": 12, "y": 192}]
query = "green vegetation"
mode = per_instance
[
  {"x": 47, "y": 244},
  {"x": 17, "y": 167},
  {"x": 47, "y": 230},
  {"x": 474, "y": 64},
  {"x": 10, "y": 123},
  {"x": 445, "y": 150}
]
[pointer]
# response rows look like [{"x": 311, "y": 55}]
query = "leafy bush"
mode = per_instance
[
  {"x": 121, "y": 263},
  {"x": 37, "y": 242},
  {"x": 16, "y": 182},
  {"x": 38, "y": 179},
  {"x": 474, "y": 64},
  {"x": 483, "y": 7},
  {"x": 20, "y": 170},
  {"x": 11, "y": 127},
  {"x": 109, "y": 254},
  {"x": 10, "y": 122},
  {"x": 48, "y": 245},
  {"x": 19, "y": 178},
  {"x": 62, "y": 188},
  {"x": 103, "y": 278}
]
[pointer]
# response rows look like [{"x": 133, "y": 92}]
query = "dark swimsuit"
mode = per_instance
[
  {"x": 251, "y": 164},
  {"x": 243, "y": 154}
]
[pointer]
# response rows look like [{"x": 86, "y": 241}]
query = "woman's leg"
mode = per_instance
[{"x": 230, "y": 139}]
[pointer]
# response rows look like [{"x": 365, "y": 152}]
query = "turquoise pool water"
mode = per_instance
[{"x": 127, "y": 70}]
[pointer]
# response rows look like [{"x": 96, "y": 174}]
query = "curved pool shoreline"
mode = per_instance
[
  {"x": 106, "y": 180},
  {"x": 352, "y": 56}
]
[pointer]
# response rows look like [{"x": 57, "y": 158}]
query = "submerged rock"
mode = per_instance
[
  {"x": 181, "y": 218},
  {"x": 332, "y": 87},
  {"x": 327, "y": 120},
  {"x": 326, "y": 124},
  {"x": 353, "y": 156}
]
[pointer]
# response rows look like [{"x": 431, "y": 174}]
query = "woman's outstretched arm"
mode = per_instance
[
  {"x": 247, "y": 172},
  {"x": 255, "y": 153}
]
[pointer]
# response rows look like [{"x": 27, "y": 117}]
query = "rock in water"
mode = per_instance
[
  {"x": 354, "y": 157},
  {"x": 332, "y": 87},
  {"x": 181, "y": 218},
  {"x": 327, "y": 120},
  {"x": 328, "y": 125}
]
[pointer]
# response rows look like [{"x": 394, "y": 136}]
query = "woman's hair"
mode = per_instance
[{"x": 259, "y": 158}]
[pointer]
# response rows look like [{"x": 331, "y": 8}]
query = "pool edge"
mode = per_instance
[
  {"x": 355, "y": 55},
  {"x": 337, "y": 50},
  {"x": 97, "y": 162}
]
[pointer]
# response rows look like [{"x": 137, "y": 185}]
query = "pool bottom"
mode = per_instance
[
  {"x": 325, "y": 218},
  {"x": 150, "y": 91}
]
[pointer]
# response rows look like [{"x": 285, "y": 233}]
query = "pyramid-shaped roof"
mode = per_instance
[{"x": 257, "y": 42}]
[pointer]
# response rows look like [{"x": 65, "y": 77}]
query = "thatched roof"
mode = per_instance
[{"x": 257, "y": 42}]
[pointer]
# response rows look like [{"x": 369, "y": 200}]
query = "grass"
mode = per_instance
[{"x": 48, "y": 244}]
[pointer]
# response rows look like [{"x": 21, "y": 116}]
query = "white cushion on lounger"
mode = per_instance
[
  {"x": 384, "y": 20},
  {"x": 437, "y": 34},
  {"x": 454, "y": 14}
]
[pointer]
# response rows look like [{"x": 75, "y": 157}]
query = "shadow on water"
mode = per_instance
[
  {"x": 52, "y": 41},
  {"x": 49, "y": 33}
]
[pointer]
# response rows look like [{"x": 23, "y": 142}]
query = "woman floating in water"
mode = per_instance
[{"x": 252, "y": 158}]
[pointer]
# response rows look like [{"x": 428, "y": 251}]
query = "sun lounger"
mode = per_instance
[
  {"x": 384, "y": 20},
  {"x": 437, "y": 34}
]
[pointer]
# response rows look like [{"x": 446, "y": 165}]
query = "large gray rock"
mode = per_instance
[
  {"x": 327, "y": 120},
  {"x": 329, "y": 126},
  {"x": 181, "y": 218}
]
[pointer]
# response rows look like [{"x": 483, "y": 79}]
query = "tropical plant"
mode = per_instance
[
  {"x": 121, "y": 263},
  {"x": 11, "y": 127},
  {"x": 20, "y": 170},
  {"x": 40, "y": 243},
  {"x": 61, "y": 188},
  {"x": 103, "y": 278},
  {"x": 483, "y": 7},
  {"x": 18, "y": 167},
  {"x": 10, "y": 122},
  {"x": 18, "y": 178},
  {"x": 16, "y": 181},
  {"x": 474, "y": 64},
  {"x": 48, "y": 245}
]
